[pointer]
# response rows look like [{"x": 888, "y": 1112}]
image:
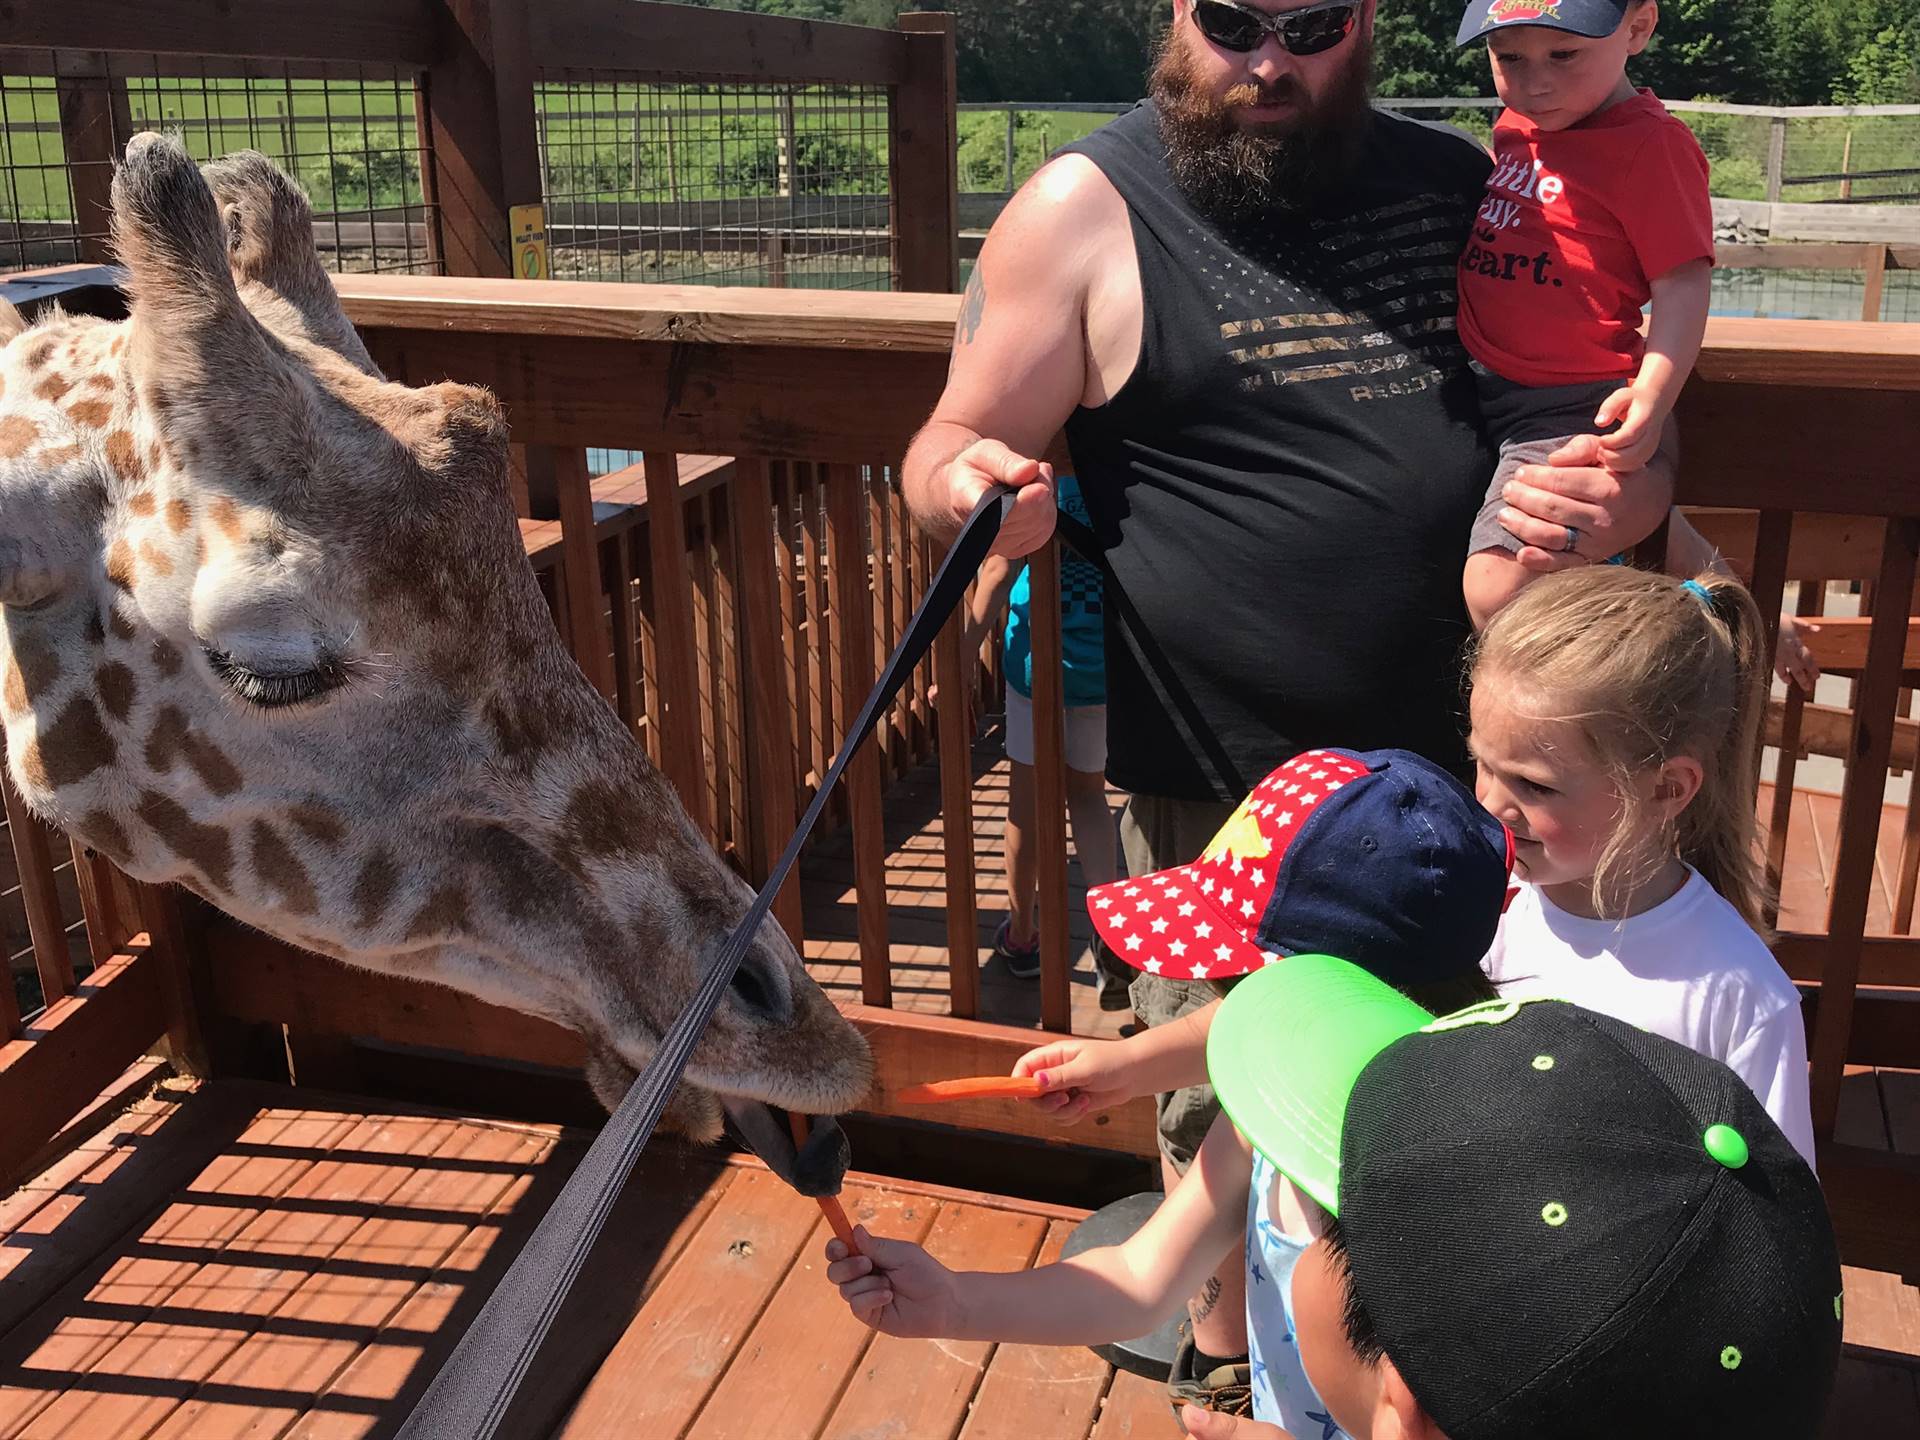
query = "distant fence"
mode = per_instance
[
  {"x": 660, "y": 142},
  {"x": 1816, "y": 154}
]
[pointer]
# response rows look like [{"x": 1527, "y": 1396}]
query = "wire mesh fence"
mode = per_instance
[
  {"x": 350, "y": 134},
  {"x": 649, "y": 179}
]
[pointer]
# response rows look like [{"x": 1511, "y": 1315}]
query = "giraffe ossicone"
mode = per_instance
[{"x": 267, "y": 629}]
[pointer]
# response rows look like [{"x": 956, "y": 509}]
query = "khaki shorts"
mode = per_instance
[{"x": 1157, "y": 834}]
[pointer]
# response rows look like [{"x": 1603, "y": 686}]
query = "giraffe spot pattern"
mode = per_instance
[
  {"x": 318, "y": 822},
  {"x": 142, "y": 503},
  {"x": 38, "y": 669},
  {"x": 227, "y": 517},
  {"x": 121, "y": 626},
  {"x": 94, "y": 414},
  {"x": 444, "y": 916},
  {"x": 60, "y": 455},
  {"x": 52, "y": 388},
  {"x": 166, "y": 656},
  {"x": 599, "y": 821},
  {"x": 208, "y": 848},
  {"x": 98, "y": 381},
  {"x": 16, "y": 434},
  {"x": 124, "y": 456},
  {"x": 373, "y": 889},
  {"x": 96, "y": 630},
  {"x": 173, "y": 738},
  {"x": 75, "y": 745},
  {"x": 115, "y": 683},
  {"x": 280, "y": 869},
  {"x": 13, "y": 691},
  {"x": 107, "y": 835},
  {"x": 120, "y": 565},
  {"x": 155, "y": 559},
  {"x": 179, "y": 515}
]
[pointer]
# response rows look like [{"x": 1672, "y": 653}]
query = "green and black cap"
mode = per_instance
[{"x": 1561, "y": 1226}]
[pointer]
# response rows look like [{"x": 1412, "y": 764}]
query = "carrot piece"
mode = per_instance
[
  {"x": 829, "y": 1204},
  {"x": 977, "y": 1087}
]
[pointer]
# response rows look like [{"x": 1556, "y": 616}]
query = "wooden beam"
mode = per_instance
[
  {"x": 95, "y": 122},
  {"x": 909, "y": 1049},
  {"x": 709, "y": 399},
  {"x": 580, "y": 553},
  {"x": 924, "y": 157},
  {"x": 481, "y": 117},
  {"x": 953, "y": 715},
  {"x": 46, "y": 923},
  {"x": 373, "y": 31},
  {"x": 1049, "y": 818},
  {"x": 73, "y": 1050},
  {"x": 597, "y": 36},
  {"x": 1885, "y": 960},
  {"x": 1748, "y": 451},
  {"x": 681, "y": 314}
]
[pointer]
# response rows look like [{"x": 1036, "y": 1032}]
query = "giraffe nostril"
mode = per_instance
[{"x": 757, "y": 990}]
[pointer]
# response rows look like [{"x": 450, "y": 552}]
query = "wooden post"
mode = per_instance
[
  {"x": 1011, "y": 157},
  {"x": 1846, "y": 169},
  {"x": 853, "y": 603},
  {"x": 1876, "y": 278},
  {"x": 685, "y": 766},
  {"x": 482, "y": 124},
  {"x": 1776, "y": 157},
  {"x": 953, "y": 714},
  {"x": 1861, "y": 794},
  {"x": 46, "y": 924},
  {"x": 95, "y": 121},
  {"x": 1050, "y": 787},
  {"x": 580, "y": 553},
  {"x": 924, "y": 156},
  {"x": 763, "y": 666}
]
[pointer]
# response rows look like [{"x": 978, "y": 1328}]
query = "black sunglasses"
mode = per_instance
[{"x": 1304, "y": 32}]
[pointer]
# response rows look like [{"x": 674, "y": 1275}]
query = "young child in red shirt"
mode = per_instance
[{"x": 1597, "y": 203}]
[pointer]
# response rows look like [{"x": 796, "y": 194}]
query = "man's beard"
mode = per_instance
[{"x": 1230, "y": 173}]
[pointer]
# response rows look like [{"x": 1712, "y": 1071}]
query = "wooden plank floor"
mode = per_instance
[{"x": 239, "y": 1259}]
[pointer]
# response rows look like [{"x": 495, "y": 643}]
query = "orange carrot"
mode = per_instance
[
  {"x": 978, "y": 1087},
  {"x": 829, "y": 1204}
]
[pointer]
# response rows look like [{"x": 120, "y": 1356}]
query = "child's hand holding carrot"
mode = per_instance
[{"x": 895, "y": 1286}]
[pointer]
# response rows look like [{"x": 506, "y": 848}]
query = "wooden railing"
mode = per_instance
[{"x": 743, "y": 607}]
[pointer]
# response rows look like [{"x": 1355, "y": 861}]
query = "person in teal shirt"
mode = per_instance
[{"x": 1083, "y": 656}]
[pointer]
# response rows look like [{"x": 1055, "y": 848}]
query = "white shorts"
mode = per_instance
[{"x": 1086, "y": 734}]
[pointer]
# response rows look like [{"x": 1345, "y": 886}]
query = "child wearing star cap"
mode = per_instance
[
  {"x": 1598, "y": 203},
  {"x": 1381, "y": 855}
]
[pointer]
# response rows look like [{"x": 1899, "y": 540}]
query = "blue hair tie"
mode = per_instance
[{"x": 1704, "y": 595}]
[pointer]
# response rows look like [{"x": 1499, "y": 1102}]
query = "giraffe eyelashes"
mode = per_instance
[{"x": 280, "y": 690}]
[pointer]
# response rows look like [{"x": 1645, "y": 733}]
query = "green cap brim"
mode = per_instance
[{"x": 1285, "y": 1051}]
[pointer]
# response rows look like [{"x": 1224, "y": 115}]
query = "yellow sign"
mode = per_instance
[{"x": 528, "y": 226}]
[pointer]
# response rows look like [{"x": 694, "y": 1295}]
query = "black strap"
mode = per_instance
[{"x": 471, "y": 1394}]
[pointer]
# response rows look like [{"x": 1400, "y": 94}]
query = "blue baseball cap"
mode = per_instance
[
  {"x": 1581, "y": 17},
  {"x": 1379, "y": 857}
]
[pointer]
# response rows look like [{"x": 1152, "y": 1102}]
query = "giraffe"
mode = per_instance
[{"x": 267, "y": 630}]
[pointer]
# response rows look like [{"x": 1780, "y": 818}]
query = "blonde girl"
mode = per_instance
[{"x": 1616, "y": 717}]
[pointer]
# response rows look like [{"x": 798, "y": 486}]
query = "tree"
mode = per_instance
[
  {"x": 1414, "y": 52},
  {"x": 1708, "y": 50}
]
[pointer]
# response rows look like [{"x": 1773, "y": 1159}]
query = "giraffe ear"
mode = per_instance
[
  {"x": 270, "y": 251},
  {"x": 170, "y": 236}
]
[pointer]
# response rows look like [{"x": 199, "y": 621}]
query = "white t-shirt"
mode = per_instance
[{"x": 1689, "y": 969}]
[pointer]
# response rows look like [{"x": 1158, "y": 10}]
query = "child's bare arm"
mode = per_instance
[
  {"x": 1096, "y": 1297},
  {"x": 1681, "y": 299},
  {"x": 1086, "y": 1075}
]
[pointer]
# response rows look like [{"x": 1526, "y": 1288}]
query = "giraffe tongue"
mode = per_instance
[{"x": 815, "y": 1169}]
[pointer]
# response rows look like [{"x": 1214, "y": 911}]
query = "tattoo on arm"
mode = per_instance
[
  {"x": 1201, "y": 1306},
  {"x": 973, "y": 306}
]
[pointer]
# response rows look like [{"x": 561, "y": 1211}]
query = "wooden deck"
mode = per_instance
[{"x": 251, "y": 1260}]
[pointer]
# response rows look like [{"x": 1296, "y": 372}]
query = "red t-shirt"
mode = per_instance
[{"x": 1574, "y": 225}]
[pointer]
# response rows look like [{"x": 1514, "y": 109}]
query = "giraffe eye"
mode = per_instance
[{"x": 279, "y": 689}]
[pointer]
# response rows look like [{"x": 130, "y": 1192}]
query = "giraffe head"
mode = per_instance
[{"x": 267, "y": 630}]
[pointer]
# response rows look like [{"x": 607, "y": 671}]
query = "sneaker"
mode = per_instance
[
  {"x": 1022, "y": 964},
  {"x": 1114, "y": 976},
  {"x": 1226, "y": 1388}
]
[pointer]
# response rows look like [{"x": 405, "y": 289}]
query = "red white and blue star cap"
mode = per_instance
[{"x": 1381, "y": 858}]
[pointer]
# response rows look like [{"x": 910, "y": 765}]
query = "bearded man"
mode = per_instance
[{"x": 1238, "y": 299}]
